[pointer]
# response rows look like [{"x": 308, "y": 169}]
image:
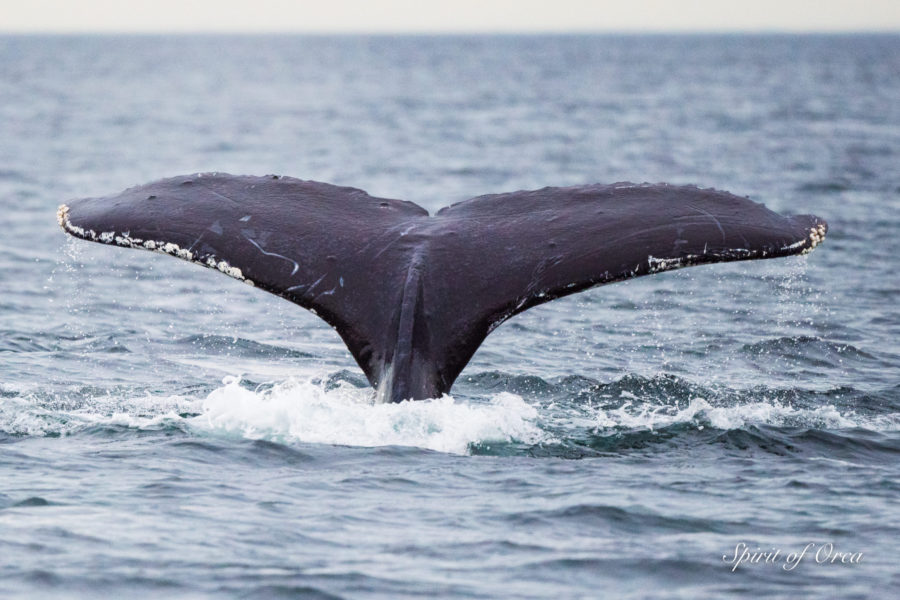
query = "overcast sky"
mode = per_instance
[{"x": 426, "y": 16}]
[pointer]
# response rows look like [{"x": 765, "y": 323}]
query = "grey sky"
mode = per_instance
[{"x": 448, "y": 16}]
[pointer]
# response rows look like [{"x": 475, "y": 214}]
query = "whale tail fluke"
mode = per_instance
[{"x": 413, "y": 295}]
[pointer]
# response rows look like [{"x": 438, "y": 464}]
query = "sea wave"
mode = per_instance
[{"x": 544, "y": 419}]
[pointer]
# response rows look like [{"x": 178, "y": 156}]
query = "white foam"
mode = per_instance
[
  {"x": 701, "y": 413},
  {"x": 291, "y": 411},
  {"x": 304, "y": 411},
  {"x": 29, "y": 416}
]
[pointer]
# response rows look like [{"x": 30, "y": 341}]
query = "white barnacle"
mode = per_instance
[
  {"x": 150, "y": 245},
  {"x": 224, "y": 267},
  {"x": 107, "y": 236},
  {"x": 662, "y": 264},
  {"x": 176, "y": 250},
  {"x": 62, "y": 215},
  {"x": 795, "y": 245},
  {"x": 124, "y": 240},
  {"x": 816, "y": 237}
]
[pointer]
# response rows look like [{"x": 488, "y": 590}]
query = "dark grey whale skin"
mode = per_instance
[{"x": 413, "y": 295}]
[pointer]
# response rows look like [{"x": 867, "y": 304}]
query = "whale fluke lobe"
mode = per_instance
[{"x": 413, "y": 295}]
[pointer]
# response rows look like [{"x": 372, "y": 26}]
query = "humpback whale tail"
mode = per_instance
[{"x": 413, "y": 295}]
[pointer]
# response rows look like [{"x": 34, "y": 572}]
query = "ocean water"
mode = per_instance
[{"x": 168, "y": 432}]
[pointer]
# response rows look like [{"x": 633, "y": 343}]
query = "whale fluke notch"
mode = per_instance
[{"x": 412, "y": 295}]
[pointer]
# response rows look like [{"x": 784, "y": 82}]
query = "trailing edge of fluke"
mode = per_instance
[{"x": 413, "y": 295}]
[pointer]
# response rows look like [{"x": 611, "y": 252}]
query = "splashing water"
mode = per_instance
[
  {"x": 310, "y": 411},
  {"x": 304, "y": 411}
]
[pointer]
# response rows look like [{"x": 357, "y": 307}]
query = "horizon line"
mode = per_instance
[{"x": 451, "y": 32}]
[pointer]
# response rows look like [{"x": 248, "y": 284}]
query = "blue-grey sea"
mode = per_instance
[{"x": 167, "y": 432}]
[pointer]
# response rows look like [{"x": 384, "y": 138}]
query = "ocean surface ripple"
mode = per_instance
[{"x": 166, "y": 432}]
